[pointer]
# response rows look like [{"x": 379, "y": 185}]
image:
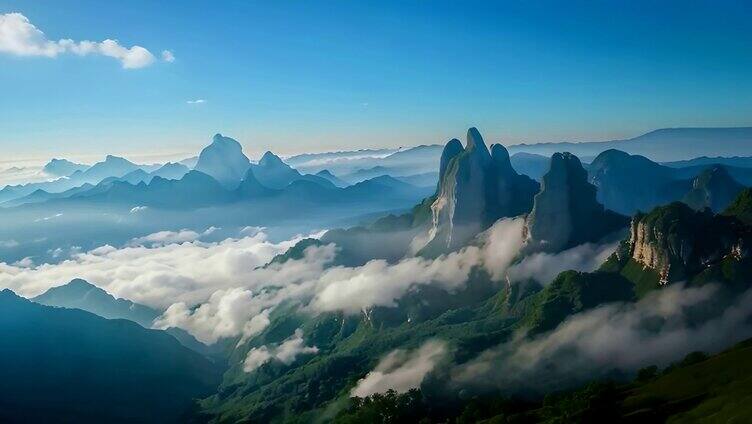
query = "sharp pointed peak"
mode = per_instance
[
  {"x": 270, "y": 158},
  {"x": 80, "y": 282},
  {"x": 475, "y": 143}
]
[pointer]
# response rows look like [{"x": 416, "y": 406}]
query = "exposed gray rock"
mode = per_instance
[
  {"x": 566, "y": 212},
  {"x": 476, "y": 188}
]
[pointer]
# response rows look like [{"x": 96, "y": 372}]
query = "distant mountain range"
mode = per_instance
[
  {"x": 663, "y": 145},
  {"x": 113, "y": 168},
  {"x": 630, "y": 183},
  {"x": 224, "y": 160},
  {"x": 62, "y": 167}
]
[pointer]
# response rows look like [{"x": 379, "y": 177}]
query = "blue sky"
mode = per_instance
[{"x": 313, "y": 76}]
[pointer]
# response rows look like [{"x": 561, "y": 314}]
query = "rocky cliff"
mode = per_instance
[
  {"x": 566, "y": 212},
  {"x": 678, "y": 242},
  {"x": 476, "y": 188}
]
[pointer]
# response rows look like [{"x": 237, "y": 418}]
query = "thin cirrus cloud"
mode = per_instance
[
  {"x": 168, "y": 56},
  {"x": 19, "y": 37},
  {"x": 196, "y": 102}
]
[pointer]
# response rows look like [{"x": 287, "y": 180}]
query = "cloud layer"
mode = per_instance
[
  {"x": 619, "y": 337},
  {"x": 544, "y": 267},
  {"x": 222, "y": 289},
  {"x": 159, "y": 275},
  {"x": 18, "y": 36},
  {"x": 286, "y": 352},
  {"x": 401, "y": 370}
]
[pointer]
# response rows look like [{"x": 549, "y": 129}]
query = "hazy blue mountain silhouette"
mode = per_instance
[
  {"x": 86, "y": 369},
  {"x": 332, "y": 178},
  {"x": 83, "y": 295},
  {"x": 662, "y": 145},
  {"x": 62, "y": 167},
  {"x": 630, "y": 183}
]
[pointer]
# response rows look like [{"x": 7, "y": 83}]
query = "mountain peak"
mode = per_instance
[
  {"x": 565, "y": 211},
  {"x": 226, "y": 142},
  {"x": 224, "y": 160},
  {"x": 272, "y": 172},
  {"x": 452, "y": 149},
  {"x": 78, "y": 282},
  {"x": 474, "y": 191},
  {"x": 475, "y": 144},
  {"x": 269, "y": 159},
  {"x": 714, "y": 188},
  {"x": 8, "y": 294},
  {"x": 81, "y": 294},
  {"x": 501, "y": 160},
  {"x": 112, "y": 158},
  {"x": 62, "y": 167}
]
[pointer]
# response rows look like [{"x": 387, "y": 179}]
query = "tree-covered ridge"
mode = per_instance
[{"x": 696, "y": 389}]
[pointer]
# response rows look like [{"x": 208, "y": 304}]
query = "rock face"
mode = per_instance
[
  {"x": 224, "y": 160},
  {"x": 678, "y": 242},
  {"x": 476, "y": 188},
  {"x": 566, "y": 212},
  {"x": 713, "y": 188}
]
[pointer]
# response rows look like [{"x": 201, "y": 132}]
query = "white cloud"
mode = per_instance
[
  {"x": 47, "y": 218},
  {"x": 544, "y": 267},
  {"x": 166, "y": 237},
  {"x": 169, "y": 237},
  {"x": 657, "y": 330},
  {"x": 401, "y": 371},
  {"x": 18, "y": 36},
  {"x": 256, "y": 357},
  {"x": 26, "y": 262},
  {"x": 168, "y": 56},
  {"x": 379, "y": 283},
  {"x": 138, "y": 209},
  {"x": 161, "y": 275},
  {"x": 291, "y": 348},
  {"x": 286, "y": 352},
  {"x": 180, "y": 273},
  {"x": 23, "y": 175},
  {"x": 8, "y": 243},
  {"x": 196, "y": 102},
  {"x": 226, "y": 314}
]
